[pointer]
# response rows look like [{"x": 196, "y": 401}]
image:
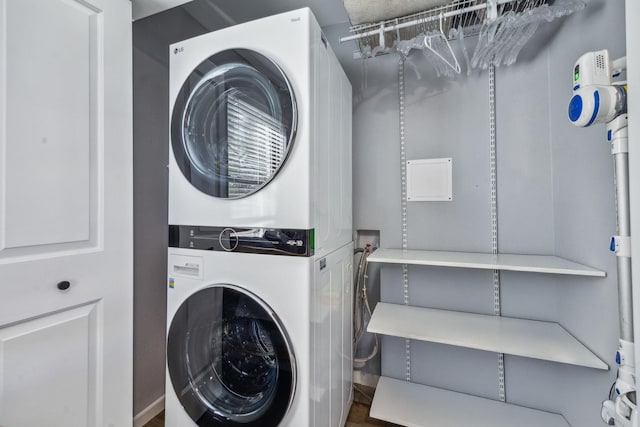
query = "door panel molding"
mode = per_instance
[
  {"x": 52, "y": 198},
  {"x": 77, "y": 374}
]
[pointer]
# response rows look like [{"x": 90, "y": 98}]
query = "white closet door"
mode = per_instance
[{"x": 65, "y": 213}]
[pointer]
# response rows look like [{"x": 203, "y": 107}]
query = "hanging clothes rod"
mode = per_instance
[
  {"x": 503, "y": 28},
  {"x": 434, "y": 15}
]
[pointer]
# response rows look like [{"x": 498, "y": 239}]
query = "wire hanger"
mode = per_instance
[{"x": 455, "y": 65}]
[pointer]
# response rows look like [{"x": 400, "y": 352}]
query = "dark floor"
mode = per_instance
[
  {"x": 158, "y": 421},
  {"x": 358, "y": 416}
]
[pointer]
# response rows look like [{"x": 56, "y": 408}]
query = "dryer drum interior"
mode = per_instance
[
  {"x": 233, "y": 123},
  {"x": 229, "y": 359}
]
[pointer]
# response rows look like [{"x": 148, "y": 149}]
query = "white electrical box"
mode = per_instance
[{"x": 429, "y": 180}]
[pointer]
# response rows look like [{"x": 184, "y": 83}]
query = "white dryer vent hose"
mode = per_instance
[{"x": 366, "y": 11}]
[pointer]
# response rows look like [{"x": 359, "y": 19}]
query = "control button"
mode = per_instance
[{"x": 228, "y": 239}]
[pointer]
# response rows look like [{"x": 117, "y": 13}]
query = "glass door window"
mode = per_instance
[
  {"x": 229, "y": 359},
  {"x": 233, "y": 123}
]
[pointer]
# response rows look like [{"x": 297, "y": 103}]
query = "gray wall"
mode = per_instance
[
  {"x": 149, "y": 237},
  {"x": 151, "y": 39},
  {"x": 555, "y": 196}
]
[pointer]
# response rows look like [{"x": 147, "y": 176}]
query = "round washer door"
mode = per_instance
[
  {"x": 233, "y": 123},
  {"x": 230, "y": 360}
]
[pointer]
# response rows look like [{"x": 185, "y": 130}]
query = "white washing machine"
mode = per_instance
[
  {"x": 258, "y": 341},
  {"x": 261, "y": 132}
]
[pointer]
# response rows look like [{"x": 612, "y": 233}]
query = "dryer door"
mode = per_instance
[
  {"x": 230, "y": 360},
  {"x": 233, "y": 123}
]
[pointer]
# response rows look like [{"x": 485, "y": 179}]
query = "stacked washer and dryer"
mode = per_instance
[{"x": 260, "y": 237}]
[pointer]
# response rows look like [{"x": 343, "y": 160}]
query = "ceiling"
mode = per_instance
[
  {"x": 143, "y": 8},
  {"x": 218, "y": 13}
]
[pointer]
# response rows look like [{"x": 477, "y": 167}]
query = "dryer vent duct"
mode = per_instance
[{"x": 366, "y": 11}]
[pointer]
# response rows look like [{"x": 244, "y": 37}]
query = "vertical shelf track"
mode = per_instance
[
  {"x": 497, "y": 306},
  {"x": 403, "y": 204}
]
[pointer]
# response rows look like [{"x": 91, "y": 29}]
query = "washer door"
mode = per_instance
[
  {"x": 233, "y": 123},
  {"x": 229, "y": 359}
]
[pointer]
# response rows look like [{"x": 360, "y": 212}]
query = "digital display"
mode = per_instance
[{"x": 576, "y": 73}]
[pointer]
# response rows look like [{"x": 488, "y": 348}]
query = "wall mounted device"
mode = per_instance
[{"x": 600, "y": 97}]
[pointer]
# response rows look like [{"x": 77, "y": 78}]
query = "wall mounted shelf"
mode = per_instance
[
  {"x": 519, "y": 337},
  {"x": 415, "y": 405},
  {"x": 412, "y": 404},
  {"x": 510, "y": 262}
]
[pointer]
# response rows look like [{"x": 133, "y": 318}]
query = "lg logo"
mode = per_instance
[{"x": 178, "y": 50}]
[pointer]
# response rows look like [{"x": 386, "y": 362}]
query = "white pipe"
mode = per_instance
[{"x": 625, "y": 300}]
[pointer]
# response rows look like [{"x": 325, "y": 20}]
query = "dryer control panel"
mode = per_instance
[{"x": 270, "y": 241}]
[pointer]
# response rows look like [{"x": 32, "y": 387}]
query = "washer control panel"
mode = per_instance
[{"x": 272, "y": 241}]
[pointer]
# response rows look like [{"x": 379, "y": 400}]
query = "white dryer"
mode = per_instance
[
  {"x": 258, "y": 341},
  {"x": 261, "y": 132}
]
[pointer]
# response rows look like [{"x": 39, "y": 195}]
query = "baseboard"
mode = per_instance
[{"x": 148, "y": 413}]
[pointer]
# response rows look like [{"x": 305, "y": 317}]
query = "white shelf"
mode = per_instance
[
  {"x": 520, "y": 337},
  {"x": 511, "y": 262},
  {"x": 416, "y": 405}
]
